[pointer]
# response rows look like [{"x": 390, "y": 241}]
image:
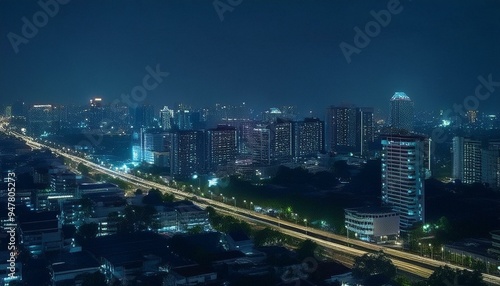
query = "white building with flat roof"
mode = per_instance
[{"x": 372, "y": 224}]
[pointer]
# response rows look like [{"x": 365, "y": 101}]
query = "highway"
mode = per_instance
[{"x": 407, "y": 262}]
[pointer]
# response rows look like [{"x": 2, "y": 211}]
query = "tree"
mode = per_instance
[
  {"x": 87, "y": 206},
  {"x": 86, "y": 232},
  {"x": 136, "y": 218},
  {"x": 306, "y": 249},
  {"x": 94, "y": 279},
  {"x": 268, "y": 236},
  {"x": 195, "y": 229},
  {"x": 83, "y": 169},
  {"x": 446, "y": 276},
  {"x": 374, "y": 267},
  {"x": 341, "y": 170},
  {"x": 154, "y": 197}
]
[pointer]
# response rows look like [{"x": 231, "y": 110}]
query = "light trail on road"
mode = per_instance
[{"x": 411, "y": 263}]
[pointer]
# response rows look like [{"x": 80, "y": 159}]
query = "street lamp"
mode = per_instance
[
  {"x": 305, "y": 222},
  {"x": 234, "y": 199},
  {"x": 421, "y": 249},
  {"x": 442, "y": 253},
  {"x": 430, "y": 246}
]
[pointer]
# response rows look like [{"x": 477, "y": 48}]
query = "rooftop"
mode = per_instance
[
  {"x": 73, "y": 261},
  {"x": 399, "y": 95}
]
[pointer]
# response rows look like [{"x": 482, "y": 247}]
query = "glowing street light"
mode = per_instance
[
  {"x": 430, "y": 246},
  {"x": 305, "y": 222}
]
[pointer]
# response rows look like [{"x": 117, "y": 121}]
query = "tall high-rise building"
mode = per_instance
[
  {"x": 95, "y": 113},
  {"x": 282, "y": 140},
  {"x": 40, "y": 119},
  {"x": 401, "y": 112},
  {"x": 341, "y": 128},
  {"x": 467, "y": 160},
  {"x": 166, "y": 116},
  {"x": 365, "y": 132},
  {"x": 259, "y": 144},
  {"x": 221, "y": 146},
  {"x": 157, "y": 148},
  {"x": 404, "y": 164},
  {"x": 308, "y": 137},
  {"x": 245, "y": 129},
  {"x": 142, "y": 116},
  {"x": 349, "y": 129},
  {"x": 187, "y": 153},
  {"x": 491, "y": 164},
  {"x": 182, "y": 119},
  {"x": 19, "y": 109}
]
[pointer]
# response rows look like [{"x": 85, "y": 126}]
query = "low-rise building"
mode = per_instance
[
  {"x": 40, "y": 232},
  {"x": 181, "y": 216},
  {"x": 191, "y": 275},
  {"x": 372, "y": 223},
  {"x": 495, "y": 243},
  {"x": 66, "y": 267}
]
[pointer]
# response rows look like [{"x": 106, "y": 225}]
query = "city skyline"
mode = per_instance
[{"x": 92, "y": 49}]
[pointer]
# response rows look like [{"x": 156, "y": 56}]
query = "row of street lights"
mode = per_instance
[{"x": 431, "y": 250}]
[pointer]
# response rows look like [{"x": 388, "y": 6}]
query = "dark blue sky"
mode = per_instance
[{"x": 267, "y": 53}]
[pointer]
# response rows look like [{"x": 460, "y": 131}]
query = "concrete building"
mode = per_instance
[
  {"x": 491, "y": 164},
  {"x": 180, "y": 216},
  {"x": 401, "y": 112},
  {"x": 259, "y": 144},
  {"x": 405, "y": 163},
  {"x": 221, "y": 146},
  {"x": 187, "y": 153},
  {"x": 467, "y": 160},
  {"x": 372, "y": 224},
  {"x": 166, "y": 116},
  {"x": 282, "y": 140},
  {"x": 495, "y": 244},
  {"x": 67, "y": 267},
  {"x": 308, "y": 138},
  {"x": 40, "y": 232}
]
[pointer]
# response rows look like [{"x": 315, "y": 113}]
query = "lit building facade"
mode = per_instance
[
  {"x": 365, "y": 132},
  {"x": 308, "y": 137},
  {"x": 282, "y": 140},
  {"x": 342, "y": 128},
  {"x": 404, "y": 168},
  {"x": 467, "y": 160},
  {"x": 221, "y": 146},
  {"x": 491, "y": 164},
  {"x": 372, "y": 224},
  {"x": 166, "y": 116},
  {"x": 186, "y": 153},
  {"x": 349, "y": 129},
  {"x": 40, "y": 119},
  {"x": 157, "y": 148},
  {"x": 259, "y": 144},
  {"x": 401, "y": 112},
  {"x": 95, "y": 113}
]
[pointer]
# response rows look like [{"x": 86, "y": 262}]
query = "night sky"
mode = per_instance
[{"x": 267, "y": 53}]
